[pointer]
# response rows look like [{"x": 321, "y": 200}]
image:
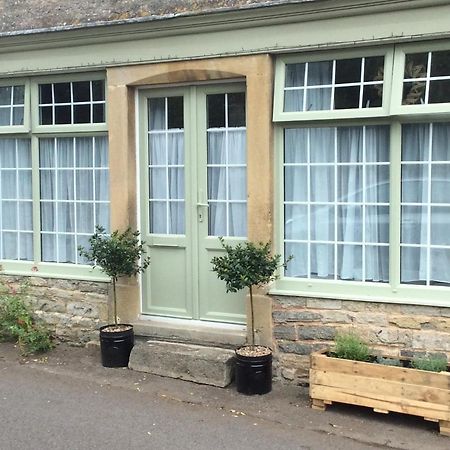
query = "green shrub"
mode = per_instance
[
  {"x": 430, "y": 363},
  {"x": 17, "y": 324},
  {"x": 351, "y": 346}
]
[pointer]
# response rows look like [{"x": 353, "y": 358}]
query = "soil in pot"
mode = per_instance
[
  {"x": 116, "y": 343},
  {"x": 253, "y": 370}
]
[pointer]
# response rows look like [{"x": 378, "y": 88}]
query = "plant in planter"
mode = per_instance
[
  {"x": 247, "y": 266},
  {"x": 117, "y": 255},
  {"x": 347, "y": 374}
]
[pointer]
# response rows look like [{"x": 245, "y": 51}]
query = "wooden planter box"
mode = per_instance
[{"x": 383, "y": 388}]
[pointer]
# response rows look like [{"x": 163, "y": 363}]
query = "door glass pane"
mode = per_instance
[
  {"x": 166, "y": 165},
  {"x": 227, "y": 165}
]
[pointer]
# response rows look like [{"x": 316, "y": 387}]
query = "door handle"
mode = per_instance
[{"x": 205, "y": 205}]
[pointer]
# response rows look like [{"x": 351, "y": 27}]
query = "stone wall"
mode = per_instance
[
  {"x": 73, "y": 310},
  {"x": 302, "y": 325}
]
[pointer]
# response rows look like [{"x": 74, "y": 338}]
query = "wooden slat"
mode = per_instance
[
  {"x": 399, "y": 392},
  {"x": 444, "y": 427},
  {"x": 322, "y": 362},
  {"x": 343, "y": 396}
]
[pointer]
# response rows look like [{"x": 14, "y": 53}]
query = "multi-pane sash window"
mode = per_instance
[
  {"x": 354, "y": 83},
  {"x": 74, "y": 189},
  {"x": 227, "y": 162},
  {"x": 12, "y": 105},
  {"x": 336, "y": 202},
  {"x": 426, "y": 78},
  {"x": 16, "y": 206},
  {"x": 425, "y": 236},
  {"x": 166, "y": 165},
  {"x": 74, "y": 102}
]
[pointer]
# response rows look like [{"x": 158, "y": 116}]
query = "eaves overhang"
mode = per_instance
[{"x": 206, "y": 21}]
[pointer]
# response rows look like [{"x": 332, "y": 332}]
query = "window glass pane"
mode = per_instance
[
  {"x": 424, "y": 216},
  {"x": 293, "y": 100},
  {"x": 157, "y": 113},
  {"x": 238, "y": 219},
  {"x": 5, "y": 117},
  {"x": 320, "y": 73},
  {"x": 348, "y": 70},
  {"x": 439, "y": 91},
  {"x": 416, "y": 65},
  {"x": 176, "y": 218},
  {"x": 349, "y": 260},
  {"x": 372, "y": 96},
  {"x": 295, "y": 75},
  {"x": 217, "y": 219},
  {"x": 236, "y": 109},
  {"x": 45, "y": 115},
  {"x": 19, "y": 95},
  {"x": 98, "y": 90},
  {"x": 63, "y": 115},
  {"x": 318, "y": 99},
  {"x": 81, "y": 91},
  {"x": 81, "y": 114},
  {"x": 296, "y": 222},
  {"x": 345, "y": 208},
  {"x": 440, "y": 64},
  {"x": 45, "y": 94},
  {"x": 298, "y": 266},
  {"x": 441, "y": 142},
  {"x": 175, "y": 112},
  {"x": 346, "y": 97},
  {"x": 216, "y": 110},
  {"x": 73, "y": 200},
  {"x": 98, "y": 113},
  {"x": 15, "y": 198},
  {"x": 295, "y": 145},
  {"x": 62, "y": 92},
  {"x": 5, "y": 95},
  {"x": 18, "y": 115},
  {"x": 374, "y": 68}
]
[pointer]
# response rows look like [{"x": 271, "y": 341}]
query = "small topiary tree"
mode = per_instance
[
  {"x": 117, "y": 255},
  {"x": 245, "y": 266}
]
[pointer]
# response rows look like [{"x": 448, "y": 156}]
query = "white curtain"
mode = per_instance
[
  {"x": 333, "y": 157},
  {"x": 16, "y": 210},
  {"x": 423, "y": 223},
  {"x": 317, "y": 98},
  {"x": 227, "y": 182},
  {"x": 74, "y": 183},
  {"x": 167, "y": 183}
]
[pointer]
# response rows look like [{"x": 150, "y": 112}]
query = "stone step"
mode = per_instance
[{"x": 200, "y": 364}]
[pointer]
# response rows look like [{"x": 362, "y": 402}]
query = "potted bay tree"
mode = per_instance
[
  {"x": 120, "y": 254},
  {"x": 249, "y": 265}
]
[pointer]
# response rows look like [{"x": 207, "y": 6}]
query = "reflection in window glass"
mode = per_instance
[
  {"x": 16, "y": 204},
  {"x": 425, "y": 204},
  {"x": 336, "y": 203},
  {"x": 426, "y": 78},
  {"x": 12, "y": 105},
  {"x": 336, "y": 84},
  {"x": 74, "y": 191},
  {"x": 226, "y": 165},
  {"x": 72, "y": 102}
]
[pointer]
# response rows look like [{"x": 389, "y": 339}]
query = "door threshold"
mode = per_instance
[{"x": 191, "y": 331}]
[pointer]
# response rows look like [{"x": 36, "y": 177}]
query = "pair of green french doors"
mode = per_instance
[{"x": 193, "y": 183}]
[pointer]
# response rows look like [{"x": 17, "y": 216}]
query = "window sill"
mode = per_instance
[{"x": 364, "y": 292}]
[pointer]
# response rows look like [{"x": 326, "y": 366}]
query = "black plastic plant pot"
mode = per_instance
[
  {"x": 116, "y": 346},
  {"x": 253, "y": 374}
]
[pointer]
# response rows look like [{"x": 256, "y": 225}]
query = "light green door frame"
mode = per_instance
[{"x": 180, "y": 282}]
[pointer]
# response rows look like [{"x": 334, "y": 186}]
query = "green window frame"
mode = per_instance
[
  {"x": 393, "y": 114},
  {"x": 36, "y": 134}
]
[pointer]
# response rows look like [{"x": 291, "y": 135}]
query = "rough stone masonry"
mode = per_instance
[
  {"x": 73, "y": 310},
  {"x": 302, "y": 325}
]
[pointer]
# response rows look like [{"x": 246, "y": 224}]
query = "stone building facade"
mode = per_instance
[{"x": 243, "y": 119}]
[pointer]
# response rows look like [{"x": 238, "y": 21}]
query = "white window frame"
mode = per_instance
[{"x": 392, "y": 113}]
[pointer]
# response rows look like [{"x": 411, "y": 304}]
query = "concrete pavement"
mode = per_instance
[{"x": 67, "y": 400}]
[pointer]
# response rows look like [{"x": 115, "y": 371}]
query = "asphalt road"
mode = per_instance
[{"x": 62, "y": 405}]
